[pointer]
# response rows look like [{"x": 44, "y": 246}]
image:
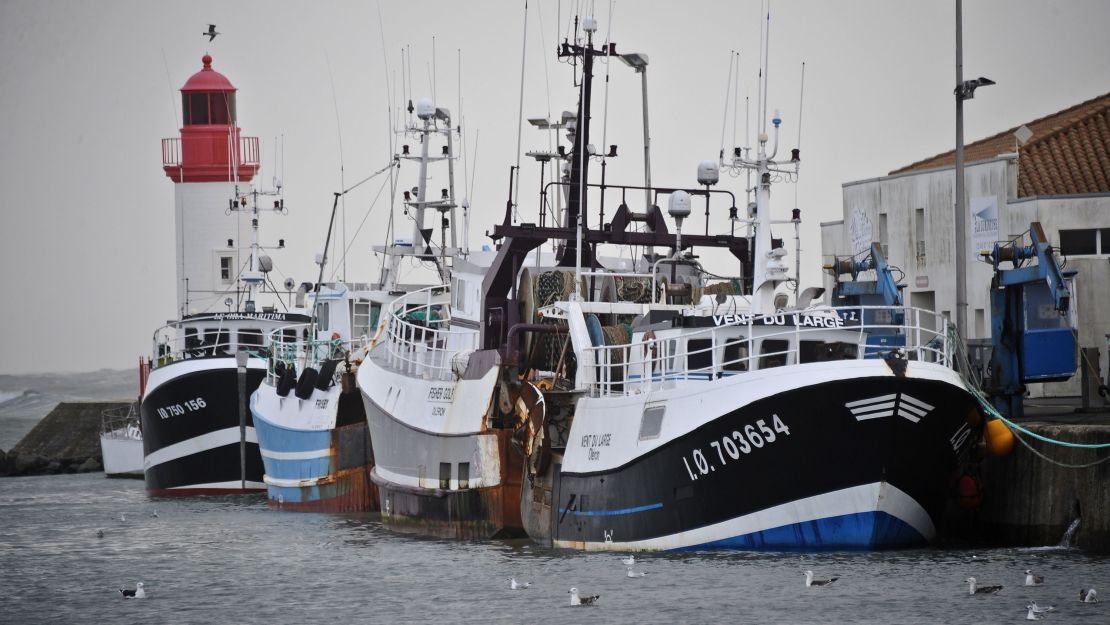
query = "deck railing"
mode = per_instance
[
  {"x": 289, "y": 347},
  {"x": 419, "y": 340},
  {"x": 660, "y": 362}
]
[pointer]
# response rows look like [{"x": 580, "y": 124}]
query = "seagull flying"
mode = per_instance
[
  {"x": 138, "y": 593},
  {"x": 211, "y": 34},
  {"x": 818, "y": 582},
  {"x": 515, "y": 585},
  {"x": 1088, "y": 595},
  {"x": 630, "y": 560},
  {"x": 632, "y": 573},
  {"x": 974, "y": 589},
  {"x": 575, "y": 599},
  {"x": 1033, "y": 580},
  {"x": 1038, "y": 609}
]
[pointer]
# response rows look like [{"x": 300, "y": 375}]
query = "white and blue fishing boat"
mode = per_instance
[{"x": 308, "y": 413}]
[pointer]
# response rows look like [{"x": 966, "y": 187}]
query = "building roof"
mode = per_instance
[
  {"x": 1068, "y": 154},
  {"x": 208, "y": 79}
]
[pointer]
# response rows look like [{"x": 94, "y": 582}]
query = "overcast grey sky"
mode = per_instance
[{"x": 86, "y": 213}]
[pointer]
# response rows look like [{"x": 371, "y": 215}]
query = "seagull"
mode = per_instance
[
  {"x": 1088, "y": 595},
  {"x": 138, "y": 593},
  {"x": 973, "y": 589},
  {"x": 100, "y": 533},
  {"x": 587, "y": 600},
  {"x": 154, "y": 514},
  {"x": 632, "y": 573},
  {"x": 818, "y": 582},
  {"x": 1038, "y": 609},
  {"x": 1031, "y": 615},
  {"x": 122, "y": 517},
  {"x": 630, "y": 560},
  {"x": 515, "y": 585},
  {"x": 1033, "y": 580},
  {"x": 211, "y": 34}
]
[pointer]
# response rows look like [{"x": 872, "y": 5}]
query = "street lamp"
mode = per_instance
[
  {"x": 639, "y": 62},
  {"x": 965, "y": 90}
]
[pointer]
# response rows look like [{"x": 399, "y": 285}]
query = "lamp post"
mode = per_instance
[
  {"x": 965, "y": 90},
  {"x": 639, "y": 62}
]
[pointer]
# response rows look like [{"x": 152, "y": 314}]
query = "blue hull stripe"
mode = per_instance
[
  {"x": 652, "y": 506},
  {"x": 862, "y": 530}
]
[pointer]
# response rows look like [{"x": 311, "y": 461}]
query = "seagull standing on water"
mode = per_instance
[
  {"x": 576, "y": 599},
  {"x": 138, "y": 593},
  {"x": 975, "y": 589},
  {"x": 1088, "y": 595},
  {"x": 818, "y": 582},
  {"x": 1033, "y": 580},
  {"x": 515, "y": 585}
]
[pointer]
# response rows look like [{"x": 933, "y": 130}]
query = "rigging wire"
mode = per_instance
[
  {"x": 342, "y": 183},
  {"x": 520, "y": 117}
]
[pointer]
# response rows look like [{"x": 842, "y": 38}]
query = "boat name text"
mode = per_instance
[
  {"x": 780, "y": 319},
  {"x": 593, "y": 441}
]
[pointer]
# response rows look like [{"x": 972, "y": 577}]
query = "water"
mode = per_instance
[
  {"x": 233, "y": 560},
  {"x": 1069, "y": 536},
  {"x": 26, "y": 399}
]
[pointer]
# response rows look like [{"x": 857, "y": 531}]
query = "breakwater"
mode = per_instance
[{"x": 67, "y": 440}]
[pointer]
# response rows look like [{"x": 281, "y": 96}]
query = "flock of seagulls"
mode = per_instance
[{"x": 1033, "y": 611}]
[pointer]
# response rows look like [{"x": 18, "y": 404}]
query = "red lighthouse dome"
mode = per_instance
[{"x": 210, "y": 148}]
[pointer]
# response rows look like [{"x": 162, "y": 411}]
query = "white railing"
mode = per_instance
[
  {"x": 419, "y": 339},
  {"x": 290, "y": 348},
  {"x": 171, "y": 343},
  {"x": 653, "y": 363}
]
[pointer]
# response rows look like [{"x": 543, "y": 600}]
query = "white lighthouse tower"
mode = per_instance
[{"x": 211, "y": 166}]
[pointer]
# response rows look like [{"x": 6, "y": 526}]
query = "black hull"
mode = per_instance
[
  {"x": 171, "y": 414},
  {"x": 664, "y": 500}
]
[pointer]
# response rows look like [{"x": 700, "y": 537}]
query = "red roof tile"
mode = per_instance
[{"x": 1069, "y": 152}]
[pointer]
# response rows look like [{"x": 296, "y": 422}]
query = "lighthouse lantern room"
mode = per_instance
[{"x": 210, "y": 165}]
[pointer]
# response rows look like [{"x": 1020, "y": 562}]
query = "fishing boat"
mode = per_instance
[
  {"x": 310, "y": 419},
  {"x": 197, "y": 434},
  {"x": 733, "y": 415}
]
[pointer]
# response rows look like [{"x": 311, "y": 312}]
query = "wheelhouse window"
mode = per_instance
[
  {"x": 736, "y": 355},
  {"x": 250, "y": 337},
  {"x": 773, "y": 353},
  {"x": 699, "y": 354},
  {"x": 217, "y": 339}
]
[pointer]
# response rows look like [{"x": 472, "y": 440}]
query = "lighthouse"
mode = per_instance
[{"x": 211, "y": 166}]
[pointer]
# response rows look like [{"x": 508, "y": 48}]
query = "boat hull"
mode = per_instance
[
  {"x": 191, "y": 429},
  {"x": 122, "y": 454},
  {"x": 853, "y": 463},
  {"x": 326, "y": 469}
]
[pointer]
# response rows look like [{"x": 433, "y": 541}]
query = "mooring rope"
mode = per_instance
[{"x": 973, "y": 385}]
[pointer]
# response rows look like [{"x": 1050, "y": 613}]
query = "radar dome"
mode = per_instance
[{"x": 425, "y": 108}]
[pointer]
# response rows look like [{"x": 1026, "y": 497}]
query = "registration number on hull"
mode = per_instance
[{"x": 732, "y": 447}]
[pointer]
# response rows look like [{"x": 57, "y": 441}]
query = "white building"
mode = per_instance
[{"x": 1059, "y": 177}]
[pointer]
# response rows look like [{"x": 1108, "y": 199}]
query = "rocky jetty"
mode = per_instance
[{"x": 66, "y": 441}]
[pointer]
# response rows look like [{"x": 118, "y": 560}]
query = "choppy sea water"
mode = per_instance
[
  {"x": 233, "y": 560},
  {"x": 26, "y": 399}
]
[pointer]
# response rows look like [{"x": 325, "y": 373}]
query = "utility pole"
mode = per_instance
[{"x": 964, "y": 91}]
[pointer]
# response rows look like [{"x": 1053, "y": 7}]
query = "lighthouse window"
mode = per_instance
[
  {"x": 219, "y": 107},
  {"x": 225, "y": 269},
  {"x": 197, "y": 109}
]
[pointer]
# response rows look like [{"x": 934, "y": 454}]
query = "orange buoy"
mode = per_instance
[{"x": 999, "y": 438}]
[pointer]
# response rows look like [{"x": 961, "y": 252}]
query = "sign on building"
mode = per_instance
[
  {"x": 859, "y": 230},
  {"x": 984, "y": 223}
]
